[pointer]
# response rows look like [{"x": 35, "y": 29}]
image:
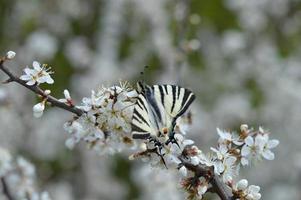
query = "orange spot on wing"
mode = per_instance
[{"x": 165, "y": 131}]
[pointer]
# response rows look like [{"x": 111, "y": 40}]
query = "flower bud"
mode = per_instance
[
  {"x": 67, "y": 95},
  {"x": 38, "y": 109},
  {"x": 195, "y": 160},
  {"x": 47, "y": 92},
  {"x": 183, "y": 171},
  {"x": 242, "y": 184},
  {"x": 244, "y": 128},
  {"x": 10, "y": 55}
]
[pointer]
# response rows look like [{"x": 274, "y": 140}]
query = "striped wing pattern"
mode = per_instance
[
  {"x": 159, "y": 106},
  {"x": 175, "y": 99},
  {"x": 142, "y": 126}
]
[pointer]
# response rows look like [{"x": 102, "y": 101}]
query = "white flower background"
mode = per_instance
[{"x": 241, "y": 58}]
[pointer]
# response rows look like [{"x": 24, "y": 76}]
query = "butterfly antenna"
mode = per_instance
[
  {"x": 142, "y": 73},
  {"x": 141, "y": 84}
]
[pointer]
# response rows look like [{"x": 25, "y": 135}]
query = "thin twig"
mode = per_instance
[
  {"x": 36, "y": 89},
  {"x": 218, "y": 186},
  {"x": 5, "y": 189}
]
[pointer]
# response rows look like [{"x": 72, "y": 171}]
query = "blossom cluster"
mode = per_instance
[
  {"x": 106, "y": 122},
  {"x": 234, "y": 150},
  {"x": 19, "y": 177},
  {"x": 36, "y": 75}
]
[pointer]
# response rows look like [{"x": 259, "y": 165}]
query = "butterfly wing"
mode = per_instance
[
  {"x": 143, "y": 120},
  {"x": 175, "y": 99}
]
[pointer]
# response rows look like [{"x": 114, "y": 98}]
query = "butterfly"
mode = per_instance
[{"x": 156, "y": 111}]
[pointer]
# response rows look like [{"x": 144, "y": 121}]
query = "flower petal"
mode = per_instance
[
  {"x": 229, "y": 161},
  {"x": 254, "y": 189},
  {"x": 28, "y": 71},
  {"x": 272, "y": 144},
  {"x": 183, "y": 171},
  {"x": 245, "y": 151},
  {"x": 31, "y": 82},
  {"x": 244, "y": 161},
  {"x": 269, "y": 155},
  {"x": 249, "y": 141},
  {"x": 218, "y": 167},
  {"x": 25, "y": 77},
  {"x": 49, "y": 80},
  {"x": 242, "y": 184},
  {"x": 36, "y": 66}
]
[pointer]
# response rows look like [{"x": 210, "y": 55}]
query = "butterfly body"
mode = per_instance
[{"x": 157, "y": 110}]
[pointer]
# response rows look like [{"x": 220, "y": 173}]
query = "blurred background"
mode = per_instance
[{"x": 241, "y": 58}]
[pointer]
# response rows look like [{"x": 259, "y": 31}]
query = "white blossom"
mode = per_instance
[
  {"x": 226, "y": 137},
  {"x": 246, "y": 192},
  {"x": 257, "y": 148},
  {"x": 37, "y": 74},
  {"x": 270, "y": 144},
  {"x": 221, "y": 151},
  {"x": 228, "y": 168},
  {"x": 253, "y": 193},
  {"x": 105, "y": 126}
]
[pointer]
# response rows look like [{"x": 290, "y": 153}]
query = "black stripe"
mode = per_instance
[
  {"x": 142, "y": 136},
  {"x": 137, "y": 114},
  {"x": 165, "y": 87},
  {"x": 139, "y": 105},
  {"x": 190, "y": 100},
  {"x": 142, "y": 103},
  {"x": 186, "y": 95},
  {"x": 173, "y": 97},
  {"x": 153, "y": 103},
  {"x": 142, "y": 86},
  {"x": 137, "y": 129},
  {"x": 136, "y": 118},
  {"x": 161, "y": 93},
  {"x": 178, "y": 92}
]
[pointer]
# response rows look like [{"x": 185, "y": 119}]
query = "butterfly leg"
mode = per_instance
[
  {"x": 158, "y": 145},
  {"x": 172, "y": 140}
]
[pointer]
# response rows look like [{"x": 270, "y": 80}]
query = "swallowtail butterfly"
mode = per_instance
[{"x": 156, "y": 111}]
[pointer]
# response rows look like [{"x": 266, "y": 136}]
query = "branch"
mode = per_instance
[
  {"x": 36, "y": 89},
  {"x": 5, "y": 189},
  {"x": 218, "y": 186}
]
